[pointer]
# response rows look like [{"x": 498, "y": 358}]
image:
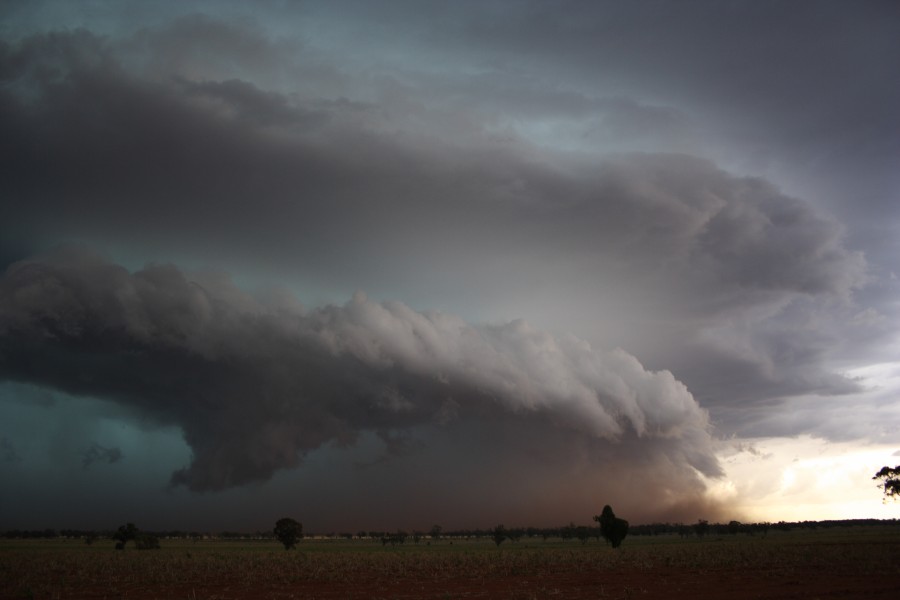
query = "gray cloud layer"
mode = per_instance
[{"x": 254, "y": 388}]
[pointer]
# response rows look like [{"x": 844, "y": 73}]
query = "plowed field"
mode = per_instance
[{"x": 850, "y": 563}]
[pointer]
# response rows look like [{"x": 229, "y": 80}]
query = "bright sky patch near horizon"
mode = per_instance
[{"x": 390, "y": 264}]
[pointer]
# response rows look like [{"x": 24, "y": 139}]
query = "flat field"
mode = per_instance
[{"x": 852, "y": 562}]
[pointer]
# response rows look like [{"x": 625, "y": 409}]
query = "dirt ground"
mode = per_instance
[
  {"x": 672, "y": 584},
  {"x": 853, "y": 563}
]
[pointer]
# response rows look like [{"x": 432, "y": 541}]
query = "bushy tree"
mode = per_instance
[
  {"x": 288, "y": 532},
  {"x": 612, "y": 528},
  {"x": 890, "y": 481}
]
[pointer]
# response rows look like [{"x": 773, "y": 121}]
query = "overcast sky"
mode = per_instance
[{"x": 390, "y": 264}]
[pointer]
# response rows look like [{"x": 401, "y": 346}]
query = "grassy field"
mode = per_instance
[{"x": 366, "y": 569}]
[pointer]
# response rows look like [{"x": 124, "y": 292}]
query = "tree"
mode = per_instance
[
  {"x": 288, "y": 532},
  {"x": 124, "y": 534},
  {"x": 890, "y": 481},
  {"x": 612, "y": 528},
  {"x": 498, "y": 534}
]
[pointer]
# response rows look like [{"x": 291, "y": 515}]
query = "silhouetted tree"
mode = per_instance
[
  {"x": 124, "y": 534},
  {"x": 612, "y": 528},
  {"x": 890, "y": 481},
  {"x": 288, "y": 532},
  {"x": 436, "y": 532},
  {"x": 498, "y": 534}
]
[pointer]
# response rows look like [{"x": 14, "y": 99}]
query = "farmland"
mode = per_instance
[{"x": 842, "y": 562}]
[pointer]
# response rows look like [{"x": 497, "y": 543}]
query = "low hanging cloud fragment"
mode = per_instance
[
  {"x": 100, "y": 454},
  {"x": 255, "y": 386},
  {"x": 8, "y": 452}
]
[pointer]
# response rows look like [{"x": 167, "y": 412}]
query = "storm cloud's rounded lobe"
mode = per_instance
[{"x": 255, "y": 388}]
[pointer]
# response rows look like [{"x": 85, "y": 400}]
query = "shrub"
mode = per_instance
[{"x": 145, "y": 541}]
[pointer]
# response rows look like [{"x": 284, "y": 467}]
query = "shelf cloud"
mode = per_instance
[{"x": 254, "y": 386}]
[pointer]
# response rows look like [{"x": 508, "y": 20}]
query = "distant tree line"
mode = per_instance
[
  {"x": 585, "y": 533},
  {"x": 571, "y": 531},
  {"x": 174, "y": 534}
]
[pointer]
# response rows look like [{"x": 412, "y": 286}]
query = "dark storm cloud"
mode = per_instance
[
  {"x": 803, "y": 90},
  {"x": 97, "y": 453},
  {"x": 254, "y": 388},
  {"x": 376, "y": 193},
  {"x": 774, "y": 59},
  {"x": 82, "y": 136},
  {"x": 650, "y": 176}
]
